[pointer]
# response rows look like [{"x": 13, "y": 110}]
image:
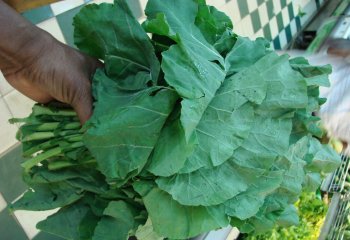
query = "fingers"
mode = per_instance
[{"x": 82, "y": 102}]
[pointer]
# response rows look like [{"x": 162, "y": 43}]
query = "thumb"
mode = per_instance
[{"x": 82, "y": 103}]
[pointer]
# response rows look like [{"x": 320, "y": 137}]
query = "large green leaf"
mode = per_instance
[
  {"x": 146, "y": 232},
  {"x": 286, "y": 88},
  {"x": 221, "y": 131},
  {"x": 211, "y": 186},
  {"x": 117, "y": 222},
  {"x": 121, "y": 137},
  {"x": 315, "y": 75},
  {"x": 237, "y": 59},
  {"x": 172, "y": 149},
  {"x": 248, "y": 203},
  {"x": 225, "y": 124},
  {"x": 176, "y": 20},
  {"x": 47, "y": 196},
  {"x": 203, "y": 78},
  {"x": 211, "y": 22},
  {"x": 324, "y": 157},
  {"x": 65, "y": 223},
  {"x": 164, "y": 212},
  {"x": 289, "y": 217},
  {"x": 192, "y": 57},
  {"x": 110, "y": 32}
]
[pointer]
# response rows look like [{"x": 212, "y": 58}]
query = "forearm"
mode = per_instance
[
  {"x": 19, "y": 38},
  {"x": 23, "y": 5}
]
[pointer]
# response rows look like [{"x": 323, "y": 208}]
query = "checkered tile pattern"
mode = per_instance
[{"x": 276, "y": 20}]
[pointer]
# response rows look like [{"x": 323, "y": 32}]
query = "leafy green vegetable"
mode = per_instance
[{"x": 193, "y": 129}]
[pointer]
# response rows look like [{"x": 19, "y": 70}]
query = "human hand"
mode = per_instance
[
  {"x": 51, "y": 70},
  {"x": 339, "y": 47}
]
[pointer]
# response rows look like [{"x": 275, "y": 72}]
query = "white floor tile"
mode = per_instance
[
  {"x": 218, "y": 234},
  {"x": 141, "y": 19},
  {"x": 231, "y": 9},
  {"x": 264, "y": 18},
  {"x": 3, "y": 203},
  {"x": 303, "y": 3},
  {"x": 273, "y": 27},
  {"x": 143, "y": 4},
  {"x": 276, "y": 6},
  {"x": 248, "y": 26},
  {"x": 63, "y": 6},
  {"x": 101, "y": 1},
  {"x": 233, "y": 234},
  {"x": 285, "y": 17},
  {"x": 293, "y": 27},
  {"x": 309, "y": 10},
  {"x": 283, "y": 39},
  {"x": 260, "y": 33},
  {"x": 5, "y": 87},
  {"x": 216, "y": 3},
  {"x": 20, "y": 106},
  {"x": 296, "y": 7},
  {"x": 51, "y": 26},
  {"x": 239, "y": 30},
  {"x": 7, "y": 130},
  {"x": 252, "y": 5},
  {"x": 29, "y": 219}
]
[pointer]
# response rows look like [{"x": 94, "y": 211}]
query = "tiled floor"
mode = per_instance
[
  {"x": 5, "y": 87},
  {"x": 29, "y": 219},
  {"x": 7, "y": 130},
  {"x": 19, "y": 105},
  {"x": 63, "y": 6},
  {"x": 3, "y": 203},
  {"x": 51, "y": 25},
  {"x": 276, "y": 20}
]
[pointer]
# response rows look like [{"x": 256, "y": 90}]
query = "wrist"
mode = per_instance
[{"x": 20, "y": 39}]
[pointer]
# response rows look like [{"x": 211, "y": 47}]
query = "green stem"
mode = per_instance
[
  {"x": 38, "y": 136},
  {"x": 56, "y": 165},
  {"x": 73, "y": 146},
  {"x": 39, "y": 147},
  {"x": 41, "y": 110},
  {"x": 75, "y": 138},
  {"x": 71, "y": 126},
  {"x": 27, "y": 165}
]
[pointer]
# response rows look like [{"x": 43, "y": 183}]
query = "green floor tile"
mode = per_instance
[
  {"x": 277, "y": 43},
  {"x": 65, "y": 21},
  {"x": 46, "y": 236},
  {"x": 38, "y": 15},
  {"x": 256, "y": 20},
  {"x": 260, "y": 2},
  {"x": 135, "y": 7},
  {"x": 318, "y": 4},
  {"x": 291, "y": 11},
  {"x": 279, "y": 19},
  {"x": 288, "y": 33},
  {"x": 298, "y": 23},
  {"x": 11, "y": 184},
  {"x": 267, "y": 32},
  {"x": 10, "y": 229},
  {"x": 243, "y": 8},
  {"x": 283, "y": 3},
  {"x": 270, "y": 9}
]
